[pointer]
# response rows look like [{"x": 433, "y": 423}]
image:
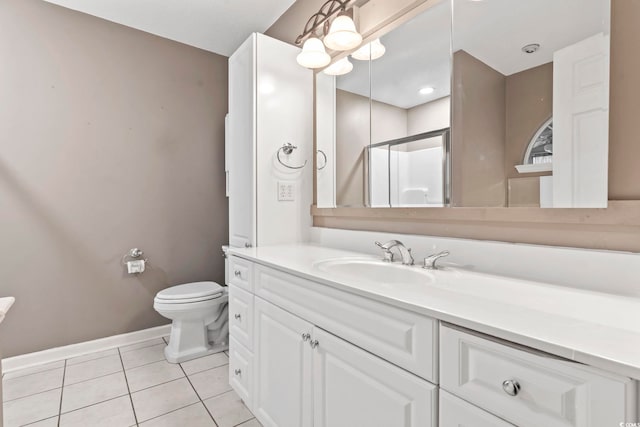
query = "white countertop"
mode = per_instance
[
  {"x": 5, "y": 305},
  {"x": 590, "y": 327}
]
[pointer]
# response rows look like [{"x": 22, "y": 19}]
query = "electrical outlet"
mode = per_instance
[{"x": 286, "y": 191}]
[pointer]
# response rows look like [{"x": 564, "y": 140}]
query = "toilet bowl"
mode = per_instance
[{"x": 199, "y": 319}]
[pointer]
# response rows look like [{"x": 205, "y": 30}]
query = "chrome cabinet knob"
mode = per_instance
[
  {"x": 306, "y": 336},
  {"x": 248, "y": 245},
  {"x": 237, "y": 316},
  {"x": 238, "y": 372},
  {"x": 511, "y": 387},
  {"x": 314, "y": 343},
  {"x": 237, "y": 273}
]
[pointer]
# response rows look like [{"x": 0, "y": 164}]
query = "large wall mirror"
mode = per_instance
[{"x": 471, "y": 103}]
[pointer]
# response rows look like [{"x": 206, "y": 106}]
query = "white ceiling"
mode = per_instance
[
  {"x": 494, "y": 31},
  {"x": 417, "y": 55},
  {"x": 219, "y": 26}
]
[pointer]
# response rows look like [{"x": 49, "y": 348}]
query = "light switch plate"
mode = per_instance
[{"x": 286, "y": 191}]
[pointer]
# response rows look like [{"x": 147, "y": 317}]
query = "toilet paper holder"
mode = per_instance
[{"x": 134, "y": 254}]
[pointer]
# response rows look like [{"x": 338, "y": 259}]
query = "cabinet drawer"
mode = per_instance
[
  {"x": 241, "y": 316},
  {"x": 399, "y": 336},
  {"x": 241, "y": 371},
  {"x": 551, "y": 391},
  {"x": 455, "y": 412},
  {"x": 240, "y": 273}
]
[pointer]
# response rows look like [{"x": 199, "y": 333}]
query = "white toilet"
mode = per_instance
[{"x": 200, "y": 319}]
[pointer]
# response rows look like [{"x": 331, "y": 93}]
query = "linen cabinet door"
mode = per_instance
[
  {"x": 282, "y": 396},
  {"x": 352, "y": 387}
]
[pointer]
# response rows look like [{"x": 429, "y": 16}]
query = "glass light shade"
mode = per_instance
[
  {"x": 373, "y": 50},
  {"x": 339, "y": 68},
  {"x": 313, "y": 54},
  {"x": 342, "y": 34}
]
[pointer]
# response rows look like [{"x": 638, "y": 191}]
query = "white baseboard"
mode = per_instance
[{"x": 60, "y": 353}]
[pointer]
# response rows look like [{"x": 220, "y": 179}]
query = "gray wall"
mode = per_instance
[{"x": 110, "y": 138}]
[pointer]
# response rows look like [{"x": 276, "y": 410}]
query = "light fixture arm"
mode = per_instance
[{"x": 321, "y": 18}]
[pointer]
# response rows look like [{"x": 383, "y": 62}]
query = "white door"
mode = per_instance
[
  {"x": 325, "y": 140},
  {"x": 353, "y": 388},
  {"x": 581, "y": 124},
  {"x": 282, "y": 396},
  {"x": 240, "y": 142}
]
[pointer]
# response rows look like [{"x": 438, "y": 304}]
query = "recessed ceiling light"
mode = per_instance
[
  {"x": 426, "y": 90},
  {"x": 531, "y": 48}
]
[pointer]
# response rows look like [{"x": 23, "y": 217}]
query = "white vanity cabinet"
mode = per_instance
[
  {"x": 316, "y": 355},
  {"x": 304, "y": 375}
]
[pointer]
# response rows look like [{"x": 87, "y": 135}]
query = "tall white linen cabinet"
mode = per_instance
[{"x": 270, "y": 104}]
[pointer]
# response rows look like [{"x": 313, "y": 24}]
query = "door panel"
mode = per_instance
[
  {"x": 283, "y": 368},
  {"x": 354, "y": 388}
]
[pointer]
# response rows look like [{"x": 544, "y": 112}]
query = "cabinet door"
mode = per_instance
[
  {"x": 282, "y": 395},
  {"x": 455, "y": 412},
  {"x": 354, "y": 388},
  {"x": 241, "y": 143}
]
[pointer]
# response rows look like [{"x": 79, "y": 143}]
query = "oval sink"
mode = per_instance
[{"x": 374, "y": 270}]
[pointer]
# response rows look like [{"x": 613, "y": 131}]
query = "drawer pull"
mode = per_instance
[
  {"x": 237, "y": 316},
  {"x": 511, "y": 387},
  {"x": 237, "y": 273},
  {"x": 238, "y": 372},
  {"x": 306, "y": 336},
  {"x": 314, "y": 343}
]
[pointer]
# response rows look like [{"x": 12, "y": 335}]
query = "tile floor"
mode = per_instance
[{"x": 124, "y": 387}]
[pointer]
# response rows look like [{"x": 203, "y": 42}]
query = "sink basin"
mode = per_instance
[
  {"x": 5, "y": 305},
  {"x": 374, "y": 270}
]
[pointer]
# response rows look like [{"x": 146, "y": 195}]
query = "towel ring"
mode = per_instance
[
  {"x": 287, "y": 149},
  {"x": 324, "y": 165}
]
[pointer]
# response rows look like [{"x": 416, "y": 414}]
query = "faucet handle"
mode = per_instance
[
  {"x": 431, "y": 260},
  {"x": 388, "y": 255}
]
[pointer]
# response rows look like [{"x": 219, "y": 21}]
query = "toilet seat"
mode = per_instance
[{"x": 189, "y": 293}]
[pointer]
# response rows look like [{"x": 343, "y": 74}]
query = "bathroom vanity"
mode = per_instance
[{"x": 327, "y": 337}]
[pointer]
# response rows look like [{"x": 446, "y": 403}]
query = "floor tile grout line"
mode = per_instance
[
  {"x": 124, "y": 371},
  {"x": 174, "y": 410},
  {"x": 64, "y": 374},
  {"x": 113, "y": 373},
  {"x": 93, "y": 404},
  {"x": 66, "y": 360},
  {"x": 198, "y": 394}
]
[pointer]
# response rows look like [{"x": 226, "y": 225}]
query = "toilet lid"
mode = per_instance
[{"x": 191, "y": 291}]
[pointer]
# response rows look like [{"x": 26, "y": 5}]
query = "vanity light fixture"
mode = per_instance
[
  {"x": 342, "y": 34},
  {"x": 334, "y": 24},
  {"x": 313, "y": 54},
  {"x": 426, "y": 90},
  {"x": 339, "y": 68},
  {"x": 370, "y": 51}
]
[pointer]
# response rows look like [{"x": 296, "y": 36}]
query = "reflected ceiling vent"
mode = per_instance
[{"x": 531, "y": 48}]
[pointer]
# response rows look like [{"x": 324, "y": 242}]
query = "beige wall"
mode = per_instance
[
  {"x": 429, "y": 116},
  {"x": 529, "y": 104},
  {"x": 352, "y": 136},
  {"x": 110, "y": 138},
  {"x": 478, "y": 128}
]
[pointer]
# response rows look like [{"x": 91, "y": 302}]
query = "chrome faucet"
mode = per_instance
[
  {"x": 430, "y": 261},
  {"x": 405, "y": 253}
]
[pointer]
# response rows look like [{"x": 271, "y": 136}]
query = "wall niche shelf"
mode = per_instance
[{"x": 535, "y": 168}]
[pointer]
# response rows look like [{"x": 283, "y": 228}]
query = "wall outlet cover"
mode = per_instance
[{"x": 286, "y": 191}]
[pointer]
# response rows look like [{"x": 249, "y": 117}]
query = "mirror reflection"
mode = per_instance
[{"x": 517, "y": 116}]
